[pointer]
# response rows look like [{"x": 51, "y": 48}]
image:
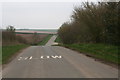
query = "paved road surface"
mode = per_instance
[
  {"x": 51, "y": 41},
  {"x": 56, "y": 62}
]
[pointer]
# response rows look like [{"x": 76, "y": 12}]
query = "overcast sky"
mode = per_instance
[
  {"x": 36, "y": 15},
  {"x": 43, "y": 15}
]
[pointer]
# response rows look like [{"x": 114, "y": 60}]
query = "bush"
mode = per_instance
[
  {"x": 9, "y": 37},
  {"x": 92, "y": 23}
]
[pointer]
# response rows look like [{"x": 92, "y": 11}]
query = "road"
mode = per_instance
[{"x": 56, "y": 62}]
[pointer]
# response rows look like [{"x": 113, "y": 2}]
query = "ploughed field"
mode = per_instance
[
  {"x": 30, "y": 38},
  {"x": 35, "y": 36}
]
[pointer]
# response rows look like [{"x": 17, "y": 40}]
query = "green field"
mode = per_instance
[
  {"x": 9, "y": 51},
  {"x": 45, "y": 40}
]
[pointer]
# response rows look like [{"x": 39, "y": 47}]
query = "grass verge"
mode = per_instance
[
  {"x": 58, "y": 40},
  {"x": 103, "y": 52},
  {"x": 0, "y": 54},
  {"x": 9, "y": 51},
  {"x": 45, "y": 40}
]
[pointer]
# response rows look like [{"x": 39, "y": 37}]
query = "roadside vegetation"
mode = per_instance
[
  {"x": 13, "y": 42},
  {"x": 93, "y": 29},
  {"x": 0, "y": 55},
  {"x": 102, "y": 52},
  {"x": 58, "y": 40},
  {"x": 45, "y": 40},
  {"x": 9, "y": 51},
  {"x": 9, "y": 37}
]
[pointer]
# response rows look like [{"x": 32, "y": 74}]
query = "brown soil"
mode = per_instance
[{"x": 30, "y": 37}]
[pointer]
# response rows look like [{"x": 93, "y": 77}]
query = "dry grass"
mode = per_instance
[{"x": 29, "y": 37}]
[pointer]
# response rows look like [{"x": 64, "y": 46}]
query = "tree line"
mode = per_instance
[
  {"x": 9, "y": 37},
  {"x": 92, "y": 23}
]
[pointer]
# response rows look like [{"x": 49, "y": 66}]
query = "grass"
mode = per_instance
[
  {"x": 45, "y": 40},
  {"x": 9, "y": 51},
  {"x": 104, "y": 52},
  {"x": 58, "y": 39},
  {"x": 0, "y": 54}
]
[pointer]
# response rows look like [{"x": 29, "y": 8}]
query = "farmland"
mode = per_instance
[
  {"x": 13, "y": 42},
  {"x": 39, "y": 31},
  {"x": 29, "y": 37},
  {"x": 29, "y": 34}
]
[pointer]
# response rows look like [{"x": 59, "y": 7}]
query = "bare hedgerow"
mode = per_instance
[{"x": 92, "y": 23}]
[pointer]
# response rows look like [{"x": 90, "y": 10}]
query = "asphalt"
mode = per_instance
[{"x": 56, "y": 62}]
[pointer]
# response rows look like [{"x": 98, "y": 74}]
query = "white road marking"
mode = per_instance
[
  {"x": 41, "y": 57},
  {"x": 30, "y": 57},
  {"x": 48, "y": 56},
  {"x": 20, "y": 58},
  {"x": 26, "y": 58},
  {"x": 56, "y": 57}
]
